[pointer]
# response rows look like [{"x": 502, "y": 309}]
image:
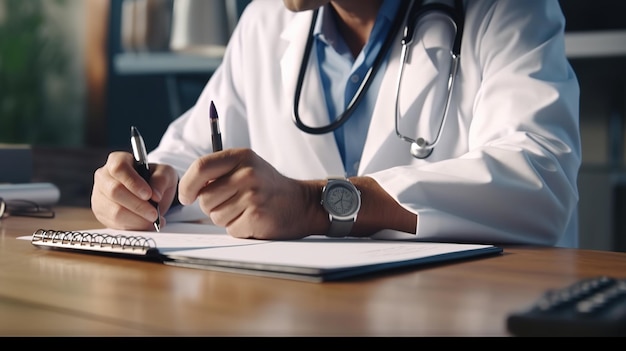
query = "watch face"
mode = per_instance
[{"x": 341, "y": 201}]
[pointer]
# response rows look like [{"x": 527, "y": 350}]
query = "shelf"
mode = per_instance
[
  {"x": 165, "y": 63},
  {"x": 595, "y": 44},
  {"x": 588, "y": 44}
]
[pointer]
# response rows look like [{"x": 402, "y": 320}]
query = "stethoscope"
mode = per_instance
[{"x": 420, "y": 147}]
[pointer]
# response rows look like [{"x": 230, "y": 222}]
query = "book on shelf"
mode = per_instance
[{"x": 314, "y": 258}]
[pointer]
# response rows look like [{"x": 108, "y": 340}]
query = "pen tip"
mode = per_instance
[{"x": 213, "y": 110}]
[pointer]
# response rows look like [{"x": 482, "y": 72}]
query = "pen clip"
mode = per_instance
[{"x": 139, "y": 148}]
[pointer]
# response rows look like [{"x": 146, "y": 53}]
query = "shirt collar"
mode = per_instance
[{"x": 326, "y": 30}]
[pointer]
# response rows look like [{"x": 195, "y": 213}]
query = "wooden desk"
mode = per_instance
[{"x": 44, "y": 293}]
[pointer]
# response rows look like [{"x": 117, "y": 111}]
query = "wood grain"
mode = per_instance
[{"x": 69, "y": 293}]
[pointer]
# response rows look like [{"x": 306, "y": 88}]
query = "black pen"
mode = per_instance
[
  {"x": 216, "y": 136},
  {"x": 141, "y": 166}
]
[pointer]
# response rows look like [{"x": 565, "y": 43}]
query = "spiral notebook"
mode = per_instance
[
  {"x": 97, "y": 242},
  {"x": 315, "y": 258},
  {"x": 137, "y": 244}
]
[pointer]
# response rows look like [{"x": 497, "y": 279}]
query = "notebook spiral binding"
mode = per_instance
[{"x": 106, "y": 242}]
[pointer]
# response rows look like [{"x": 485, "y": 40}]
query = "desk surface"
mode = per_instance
[{"x": 54, "y": 293}]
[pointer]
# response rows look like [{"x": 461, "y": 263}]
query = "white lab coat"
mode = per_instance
[{"x": 505, "y": 170}]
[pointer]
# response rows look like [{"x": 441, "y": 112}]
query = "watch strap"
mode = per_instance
[{"x": 339, "y": 228}]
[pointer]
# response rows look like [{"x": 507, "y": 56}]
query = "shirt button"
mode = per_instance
[
  {"x": 355, "y": 78},
  {"x": 355, "y": 167}
]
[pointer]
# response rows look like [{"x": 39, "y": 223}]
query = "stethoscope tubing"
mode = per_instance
[
  {"x": 365, "y": 83},
  {"x": 420, "y": 147}
]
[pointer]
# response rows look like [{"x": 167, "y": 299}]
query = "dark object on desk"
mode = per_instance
[
  {"x": 28, "y": 199},
  {"x": 69, "y": 168},
  {"x": 24, "y": 208},
  {"x": 16, "y": 163},
  {"x": 591, "y": 307}
]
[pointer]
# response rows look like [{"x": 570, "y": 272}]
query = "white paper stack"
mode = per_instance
[{"x": 45, "y": 194}]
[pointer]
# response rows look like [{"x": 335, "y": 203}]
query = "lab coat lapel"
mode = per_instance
[
  {"x": 382, "y": 147},
  {"x": 312, "y": 108}
]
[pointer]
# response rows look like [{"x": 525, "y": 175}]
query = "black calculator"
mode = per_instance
[{"x": 590, "y": 307}]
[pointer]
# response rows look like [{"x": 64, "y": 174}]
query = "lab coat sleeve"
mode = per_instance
[
  {"x": 188, "y": 137},
  {"x": 517, "y": 182}
]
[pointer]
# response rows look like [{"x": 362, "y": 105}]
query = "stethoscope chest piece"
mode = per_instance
[{"x": 420, "y": 149}]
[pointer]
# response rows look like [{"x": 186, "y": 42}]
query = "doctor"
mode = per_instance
[{"x": 504, "y": 168}]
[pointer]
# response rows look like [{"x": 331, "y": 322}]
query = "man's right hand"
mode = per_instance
[{"x": 119, "y": 198}]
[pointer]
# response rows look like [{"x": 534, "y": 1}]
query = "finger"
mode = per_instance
[
  {"x": 221, "y": 201},
  {"x": 203, "y": 171},
  {"x": 114, "y": 215},
  {"x": 121, "y": 167},
  {"x": 163, "y": 181},
  {"x": 113, "y": 180}
]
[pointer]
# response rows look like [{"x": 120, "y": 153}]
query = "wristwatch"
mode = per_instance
[{"x": 342, "y": 200}]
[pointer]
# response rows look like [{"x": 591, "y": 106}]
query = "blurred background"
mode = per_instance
[{"x": 76, "y": 74}]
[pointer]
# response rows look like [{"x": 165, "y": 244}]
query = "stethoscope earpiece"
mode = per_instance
[{"x": 420, "y": 148}]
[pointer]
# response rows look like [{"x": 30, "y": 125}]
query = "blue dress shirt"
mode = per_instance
[{"x": 342, "y": 74}]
